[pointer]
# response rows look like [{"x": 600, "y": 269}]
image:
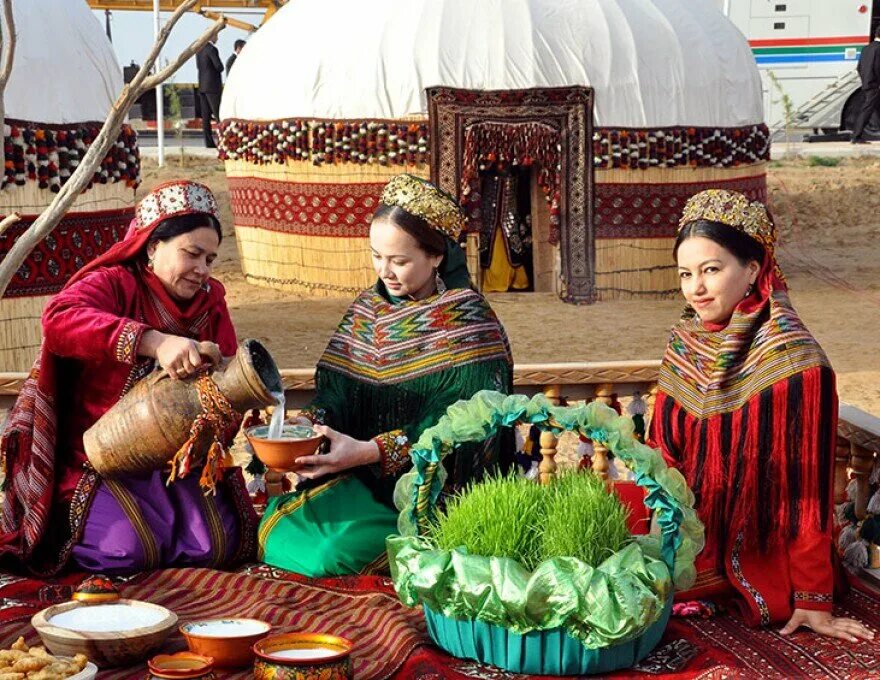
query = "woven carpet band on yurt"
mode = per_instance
[
  {"x": 390, "y": 639},
  {"x": 39, "y": 160},
  {"x": 303, "y": 192}
]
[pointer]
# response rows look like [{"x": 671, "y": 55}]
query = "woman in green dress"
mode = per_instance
[{"x": 406, "y": 349}]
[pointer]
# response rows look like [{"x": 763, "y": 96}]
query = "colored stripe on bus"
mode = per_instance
[
  {"x": 805, "y": 50},
  {"x": 800, "y": 58},
  {"x": 794, "y": 42}
]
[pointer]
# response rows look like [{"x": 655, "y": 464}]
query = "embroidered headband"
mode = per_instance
[
  {"x": 421, "y": 198},
  {"x": 733, "y": 209},
  {"x": 172, "y": 199}
]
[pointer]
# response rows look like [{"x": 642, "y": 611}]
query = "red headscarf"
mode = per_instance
[{"x": 170, "y": 199}]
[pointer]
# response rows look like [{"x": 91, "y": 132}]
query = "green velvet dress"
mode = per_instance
[{"x": 391, "y": 369}]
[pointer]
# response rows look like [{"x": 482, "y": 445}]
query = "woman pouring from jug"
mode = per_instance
[{"x": 148, "y": 302}]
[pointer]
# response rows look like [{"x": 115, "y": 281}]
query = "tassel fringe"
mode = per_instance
[
  {"x": 856, "y": 555},
  {"x": 852, "y": 489},
  {"x": 848, "y": 536},
  {"x": 217, "y": 418},
  {"x": 874, "y": 503}
]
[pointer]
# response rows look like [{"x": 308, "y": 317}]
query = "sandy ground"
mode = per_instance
[{"x": 829, "y": 226}]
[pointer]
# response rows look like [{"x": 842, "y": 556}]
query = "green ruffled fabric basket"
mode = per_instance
[
  {"x": 541, "y": 652},
  {"x": 565, "y": 617}
]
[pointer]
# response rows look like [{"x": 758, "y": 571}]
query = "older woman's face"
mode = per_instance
[
  {"x": 405, "y": 269},
  {"x": 183, "y": 263},
  {"x": 713, "y": 280}
]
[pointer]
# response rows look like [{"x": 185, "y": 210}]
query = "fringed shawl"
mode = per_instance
[{"x": 747, "y": 411}]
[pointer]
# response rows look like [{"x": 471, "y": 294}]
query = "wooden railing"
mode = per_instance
[{"x": 858, "y": 433}]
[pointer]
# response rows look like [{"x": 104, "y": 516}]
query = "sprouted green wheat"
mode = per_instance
[{"x": 513, "y": 517}]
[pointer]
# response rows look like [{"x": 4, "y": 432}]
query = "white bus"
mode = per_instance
[{"x": 811, "y": 47}]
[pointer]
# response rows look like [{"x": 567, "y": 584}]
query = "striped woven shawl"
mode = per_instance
[
  {"x": 383, "y": 343},
  {"x": 711, "y": 372}
]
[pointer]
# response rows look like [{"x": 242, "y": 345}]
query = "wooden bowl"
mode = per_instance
[
  {"x": 228, "y": 641},
  {"x": 280, "y": 454},
  {"x": 303, "y": 656},
  {"x": 109, "y": 633}
]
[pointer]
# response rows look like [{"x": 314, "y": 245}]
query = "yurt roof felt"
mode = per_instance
[
  {"x": 65, "y": 70},
  {"x": 651, "y": 62}
]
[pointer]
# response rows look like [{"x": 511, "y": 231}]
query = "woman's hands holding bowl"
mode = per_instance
[{"x": 345, "y": 453}]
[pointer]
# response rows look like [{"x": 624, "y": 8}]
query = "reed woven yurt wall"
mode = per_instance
[
  {"x": 304, "y": 227},
  {"x": 64, "y": 79}
]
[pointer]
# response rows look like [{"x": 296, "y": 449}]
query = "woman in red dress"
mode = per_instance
[
  {"x": 149, "y": 301},
  {"x": 747, "y": 409}
]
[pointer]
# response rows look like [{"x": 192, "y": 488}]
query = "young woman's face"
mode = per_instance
[
  {"x": 183, "y": 263},
  {"x": 405, "y": 269},
  {"x": 713, "y": 280}
]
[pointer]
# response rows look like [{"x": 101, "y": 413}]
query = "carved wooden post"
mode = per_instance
[
  {"x": 547, "y": 467},
  {"x": 604, "y": 392},
  {"x": 650, "y": 400},
  {"x": 553, "y": 393},
  {"x": 601, "y": 464},
  {"x": 873, "y": 556},
  {"x": 274, "y": 483},
  {"x": 841, "y": 463},
  {"x": 862, "y": 462}
]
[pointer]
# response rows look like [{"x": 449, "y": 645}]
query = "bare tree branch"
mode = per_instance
[
  {"x": 7, "y": 49},
  {"x": 106, "y": 138},
  {"x": 8, "y": 221}
]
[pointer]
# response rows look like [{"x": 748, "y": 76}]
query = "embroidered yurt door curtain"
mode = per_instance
[{"x": 549, "y": 128}]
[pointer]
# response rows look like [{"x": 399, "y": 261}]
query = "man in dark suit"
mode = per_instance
[
  {"x": 210, "y": 87},
  {"x": 869, "y": 72},
  {"x": 229, "y": 62}
]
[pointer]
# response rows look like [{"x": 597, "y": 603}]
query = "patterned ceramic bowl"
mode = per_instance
[
  {"x": 228, "y": 641},
  {"x": 303, "y": 656}
]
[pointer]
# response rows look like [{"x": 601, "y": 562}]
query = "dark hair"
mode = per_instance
[
  {"x": 239, "y": 44},
  {"x": 877, "y": 31},
  {"x": 430, "y": 240},
  {"x": 742, "y": 246},
  {"x": 183, "y": 224}
]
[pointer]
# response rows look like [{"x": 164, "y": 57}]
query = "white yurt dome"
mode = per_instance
[
  {"x": 651, "y": 63},
  {"x": 64, "y": 70}
]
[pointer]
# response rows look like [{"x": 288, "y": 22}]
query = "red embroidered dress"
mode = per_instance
[
  {"x": 748, "y": 412},
  {"x": 92, "y": 331}
]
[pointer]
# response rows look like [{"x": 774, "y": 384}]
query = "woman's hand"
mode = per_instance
[
  {"x": 180, "y": 357},
  {"x": 826, "y": 624},
  {"x": 345, "y": 452}
]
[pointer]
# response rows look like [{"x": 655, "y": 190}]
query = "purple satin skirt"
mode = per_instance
[{"x": 137, "y": 523}]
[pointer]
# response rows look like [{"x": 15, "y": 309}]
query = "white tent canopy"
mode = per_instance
[
  {"x": 651, "y": 62},
  {"x": 65, "y": 70}
]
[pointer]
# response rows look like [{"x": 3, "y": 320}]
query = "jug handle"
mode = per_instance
[{"x": 209, "y": 350}]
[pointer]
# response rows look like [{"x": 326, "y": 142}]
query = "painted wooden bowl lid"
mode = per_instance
[{"x": 96, "y": 588}]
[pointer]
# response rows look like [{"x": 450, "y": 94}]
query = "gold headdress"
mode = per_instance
[
  {"x": 421, "y": 198},
  {"x": 733, "y": 209}
]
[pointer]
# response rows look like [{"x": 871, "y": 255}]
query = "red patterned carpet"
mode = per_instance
[{"x": 391, "y": 640}]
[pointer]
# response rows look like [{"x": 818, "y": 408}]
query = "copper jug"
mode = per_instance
[{"x": 147, "y": 426}]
